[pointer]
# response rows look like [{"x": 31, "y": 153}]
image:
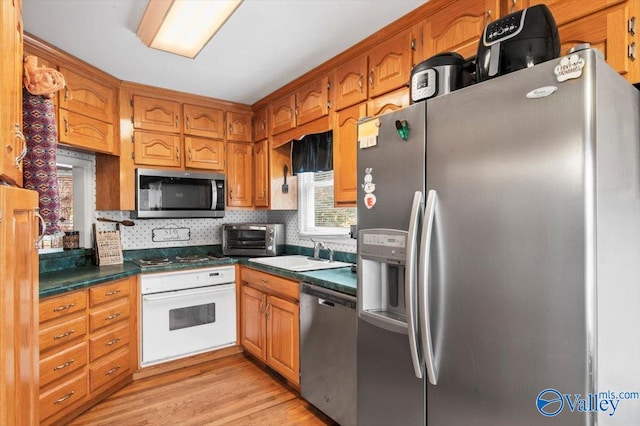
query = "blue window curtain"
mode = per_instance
[{"x": 312, "y": 153}]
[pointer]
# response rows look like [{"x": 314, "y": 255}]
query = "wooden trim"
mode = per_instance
[{"x": 401, "y": 24}]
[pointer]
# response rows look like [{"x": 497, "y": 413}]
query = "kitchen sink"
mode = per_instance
[{"x": 298, "y": 263}]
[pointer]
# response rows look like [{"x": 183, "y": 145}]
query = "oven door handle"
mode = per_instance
[{"x": 186, "y": 293}]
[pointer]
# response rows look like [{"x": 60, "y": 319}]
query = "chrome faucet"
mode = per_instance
[
  {"x": 317, "y": 245},
  {"x": 330, "y": 254}
]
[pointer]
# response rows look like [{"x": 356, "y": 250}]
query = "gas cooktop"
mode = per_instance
[{"x": 147, "y": 262}]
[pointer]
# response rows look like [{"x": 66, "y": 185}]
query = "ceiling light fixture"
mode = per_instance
[{"x": 183, "y": 27}]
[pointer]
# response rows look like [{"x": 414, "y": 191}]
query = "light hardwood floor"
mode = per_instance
[{"x": 229, "y": 391}]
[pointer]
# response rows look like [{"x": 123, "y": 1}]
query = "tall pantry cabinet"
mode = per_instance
[{"x": 18, "y": 234}]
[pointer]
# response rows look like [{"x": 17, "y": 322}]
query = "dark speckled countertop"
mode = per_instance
[{"x": 62, "y": 281}]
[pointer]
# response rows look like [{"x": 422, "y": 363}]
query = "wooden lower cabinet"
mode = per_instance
[
  {"x": 270, "y": 321},
  {"x": 87, "y": 347}
]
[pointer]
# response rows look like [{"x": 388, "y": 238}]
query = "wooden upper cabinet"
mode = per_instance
[
  {"x": 239, "y": 174},
  {"x": 203, "y": 121},
  {"x": 350, "y": 83},
  {"x": 312, "y": 101},
  {"x": 204, "y": 153},
  {"x": 156, "y": 114},
  {"x": 390, "y": 102},
  {"x": 458, "y": 27},
  {"x": 390, "y": 64},
  {"x": 565, "y": 11},
  {"x": 261, "y": 174},
  {"x": 85, "y": 132},
  {"x": 282, "y": 115},
  {"x": 345, "y": 149},
  {"x": 87, "y": 97},
  {"x": 157, "y": 149},
  {"x": 12, "y": 143},
  {"x": 260, "y": 124},
  {"x": 239, "y": 126}
]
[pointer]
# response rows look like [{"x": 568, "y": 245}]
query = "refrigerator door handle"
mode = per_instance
[
  {"x": 423, "y": 287},
  {"x": 410, "y": 289}
]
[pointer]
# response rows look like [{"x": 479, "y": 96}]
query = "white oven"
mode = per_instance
[{"x": 186, "y": 312}]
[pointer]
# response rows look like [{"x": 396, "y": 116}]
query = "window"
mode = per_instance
[
  {"x": 77, "y": 195},
  {"x": 316, "y": 213}
]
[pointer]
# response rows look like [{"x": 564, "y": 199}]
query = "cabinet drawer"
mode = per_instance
[
  {"x": 108, "y": 342},
  {"x": 109, "y": 315},
  {"x": 56, "y": 307},
  {"x": 85, "y": 132},
  {"x": 108, "y": 370},
  {"x": 271, "y": 283},
  {"x": 60, "y": 334},
  {"x": 63, "y": 395},
  {"x": 108, "y": 292},
  {"x": 62, "y": 363}
]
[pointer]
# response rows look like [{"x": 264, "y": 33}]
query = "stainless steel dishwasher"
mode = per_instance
[{"x": 328, "y": 352}]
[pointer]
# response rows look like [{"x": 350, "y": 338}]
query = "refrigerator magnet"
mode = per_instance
[
  {"x": 369, "y": 201},
  {"x": 569, "y": 67}
]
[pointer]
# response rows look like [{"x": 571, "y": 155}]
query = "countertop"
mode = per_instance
[{"x": 58, "y": 282}]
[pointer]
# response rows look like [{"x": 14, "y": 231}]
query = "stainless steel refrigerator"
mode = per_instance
[{"x": 499, "y": 253}]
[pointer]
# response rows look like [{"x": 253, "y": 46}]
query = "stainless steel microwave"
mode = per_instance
[
  {"x": 253, "y": 239},
  {"x": 173, "y": 194}
]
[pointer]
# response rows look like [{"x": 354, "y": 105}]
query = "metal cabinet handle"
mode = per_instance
[
  {"x": 64, "y": 398},
  {"x": 230, "y": 129},
  {"x": 487, "y": 17},
  {"x": 113, "y": 316},
  {"x": 187, "y": 121},
  {"x": 65, "y": 365},
  {"x": 63, "y": 335},
  {"x": 361, "y": 83},
  {"x": 112, "y": 342},
  {"x": 66, "y": 127},
  {"x": 261, "y": 308},
  {"x": 113, "y": 370},
  {"x": 513, "y": 6},
  {"x": 371, "y": 78},
  {"x": 177, "y": 153},
  {"x": 231, "y": 194},
  {"x": 631, "y": 51},
  {"x": 265, "y": 282},
  {"x": 111, "y": 293},
  {"x": 66, "y": 93},
  {"x": 64, "y": 307},
  {"x": 44, "y": 229},
  {"x": 268, "y": 311},
  {"x": 264, "y": 125},
  {"x": 177, "y": 122},
  {"x": 23, "y": 153}
]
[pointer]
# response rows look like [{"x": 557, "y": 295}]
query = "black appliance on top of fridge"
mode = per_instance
[{"x": 499, "y": 252}]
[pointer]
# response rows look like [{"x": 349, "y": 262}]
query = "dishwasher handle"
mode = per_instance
[{"x": 328, "y": 297}]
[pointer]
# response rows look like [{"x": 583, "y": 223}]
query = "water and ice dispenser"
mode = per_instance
[{"x": 381, "y": 270}]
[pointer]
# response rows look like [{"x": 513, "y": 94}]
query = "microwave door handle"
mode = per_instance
[{"x": 214, "y": 194}]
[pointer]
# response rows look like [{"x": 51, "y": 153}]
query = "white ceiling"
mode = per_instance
[{"x": 264, "y": 45}]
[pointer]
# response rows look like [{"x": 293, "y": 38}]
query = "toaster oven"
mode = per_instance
[{"x": 253, "y": 239}]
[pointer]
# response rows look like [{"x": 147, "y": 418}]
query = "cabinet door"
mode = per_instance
[
  {"x": 260, "y": 124},
  {"x": 390, "y": 102},
  {"x": 350, "y": 84},
  {"x": 19, "y": 312},
  {"x": 239, "y": 176},
  {"x": 202, "y": 121},
  {"x": 156, "y": 114},
  {"x": 458, "y": 27},
  {"x": 345, "y": 148},
  {"x": 253, "y": 323},
  {"x": 85, "y": 132},
  {"x": 390, "y": 64},
  {"x": 204, "y": 153},
  {"x": 239, "y": 126},
  {"x": 283, "y": 343},
  {"x": 261, "y": 170},
  {"x": 12, "y": 144},
  {"x": 282, "y": 114},
  {"x": 86, "y": 97},
  {"x": 156, "y": 149},
  {"x": 312, "y": 101}
]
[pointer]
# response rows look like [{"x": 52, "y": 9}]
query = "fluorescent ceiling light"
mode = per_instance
[{"x": 183, "y": 27}]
